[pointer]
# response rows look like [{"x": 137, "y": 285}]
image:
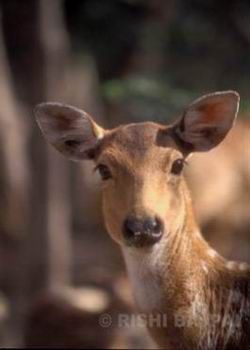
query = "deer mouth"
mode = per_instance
[{"x": 142, "y": 239}]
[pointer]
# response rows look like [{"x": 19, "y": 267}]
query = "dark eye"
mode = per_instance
[
  {"x": 104, "y": 171},
  {"x": 177, "y": 166}
]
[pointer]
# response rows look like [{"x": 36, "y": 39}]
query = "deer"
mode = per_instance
[{"x": 148, "y": 211}]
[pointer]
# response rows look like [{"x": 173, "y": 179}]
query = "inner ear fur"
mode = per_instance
[
  {"x": 70, "y": 130},
  {"x": 206, "y": 121}
]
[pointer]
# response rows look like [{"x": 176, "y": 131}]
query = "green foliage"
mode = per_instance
[{"x": 143, "y": 98}]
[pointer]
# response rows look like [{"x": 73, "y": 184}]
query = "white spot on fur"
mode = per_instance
[
  {"x": 212, "y": 253},
  {"x": 204, "y": 267}
]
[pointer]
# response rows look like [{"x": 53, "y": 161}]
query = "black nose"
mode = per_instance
[{"x": 142, "y": 232}]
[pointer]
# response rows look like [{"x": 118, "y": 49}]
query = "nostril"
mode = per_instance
[
  {"x": 153, "y": 226},
  {"x": 132, "y": 227}
]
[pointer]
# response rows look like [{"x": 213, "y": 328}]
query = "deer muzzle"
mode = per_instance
[{"x": 141, "y": 232}]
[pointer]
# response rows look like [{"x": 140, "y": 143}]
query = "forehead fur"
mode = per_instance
[{"x": 138, "y": 141}]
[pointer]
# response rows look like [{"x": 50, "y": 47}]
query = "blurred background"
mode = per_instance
[{"x": 121, "y": 61}]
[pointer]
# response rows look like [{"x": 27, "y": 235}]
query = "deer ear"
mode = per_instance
[
  {"x": 207, "y": 121},
  {"x": 70, "y": 130}
]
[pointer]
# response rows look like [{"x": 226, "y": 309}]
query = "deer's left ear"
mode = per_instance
[{"x": 207, "y": 121}]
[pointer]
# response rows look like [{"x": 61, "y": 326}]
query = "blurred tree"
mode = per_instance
[
  {"x": 38, "y": 56},
  {"x": 14, "y": 186},
  {"x": 37, "y": 53},
  {"x": 14, "y": 162}
]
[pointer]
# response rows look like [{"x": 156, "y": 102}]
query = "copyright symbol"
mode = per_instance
[{"x": 105, "y": 320}]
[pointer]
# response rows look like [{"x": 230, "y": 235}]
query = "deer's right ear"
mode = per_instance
[{"x": 70, "y": 130}]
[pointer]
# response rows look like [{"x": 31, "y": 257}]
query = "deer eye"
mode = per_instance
[
  {"x": 104, "y": 172},
  {"x": 177, "y": 166}
]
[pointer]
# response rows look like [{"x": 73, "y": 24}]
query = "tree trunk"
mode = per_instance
[{"x": 37, "y": 50}]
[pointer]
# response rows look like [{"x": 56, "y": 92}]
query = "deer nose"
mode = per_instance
[{"x": 142, "y": 232}]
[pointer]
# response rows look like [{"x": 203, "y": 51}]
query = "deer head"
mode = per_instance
[{"x": 141, "y": 165}]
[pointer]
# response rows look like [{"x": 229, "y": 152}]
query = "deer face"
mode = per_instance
[{"x": 141, "y": 165}]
